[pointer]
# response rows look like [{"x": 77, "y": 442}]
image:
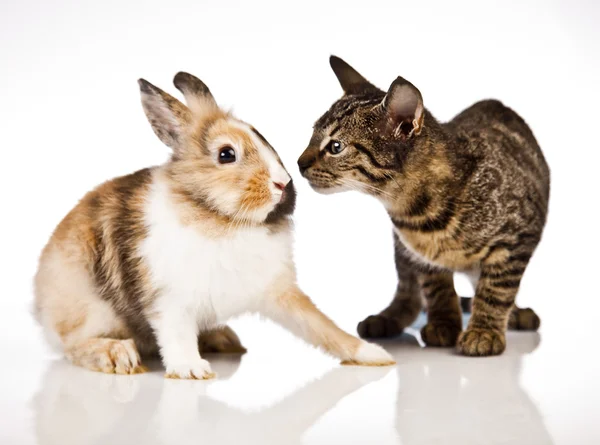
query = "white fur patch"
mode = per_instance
[
  {"x": 203, "y": 281},
  {"x": 277, "y": 171},
  {"x": 370, "y": 353},
  {"x": 228, "y": 275}
]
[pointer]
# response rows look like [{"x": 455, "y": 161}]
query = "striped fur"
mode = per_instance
[
  {"x": 159, "y": 260},
  {"x": 468, "y": 195}
]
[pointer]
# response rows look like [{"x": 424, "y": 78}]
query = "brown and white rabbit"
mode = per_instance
[{"x": 160, "y": 259}]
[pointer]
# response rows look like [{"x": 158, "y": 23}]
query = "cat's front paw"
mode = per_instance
[
  {"x": 441, "y": 334},
  {"x": 369, "y": 354},
  {"x": 379, "y": 326},
  {"x": 476, "y": 342},
  {"x": 198, "y": 370}
]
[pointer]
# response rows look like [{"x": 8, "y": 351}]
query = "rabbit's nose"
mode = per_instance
[{"x": 279, "y": 185}]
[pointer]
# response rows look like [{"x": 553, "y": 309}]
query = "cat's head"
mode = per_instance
[{"x": 365, "y": 137}]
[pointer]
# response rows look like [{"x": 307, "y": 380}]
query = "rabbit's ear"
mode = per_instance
[
  {"x": 197, "y": 95},
  {"x": 168, "y": 117}
]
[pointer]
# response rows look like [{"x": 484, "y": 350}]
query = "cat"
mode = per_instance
[{"x": 469, "y": 195}]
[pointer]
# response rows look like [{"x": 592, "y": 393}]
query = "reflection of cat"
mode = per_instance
[
  {"x": 454, "y": 399},
  {"x": 76, "y": 407}
]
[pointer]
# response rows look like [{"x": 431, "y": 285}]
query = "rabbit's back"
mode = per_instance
[{"x": 88, "y": 280}]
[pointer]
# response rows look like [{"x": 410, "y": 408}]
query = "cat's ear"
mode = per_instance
[
  {"x": 350, "y": 79},
  {"x": 168, "y": 117},
  {"x": 403, "y": 104},
  {"x": 197, "y": 95}
]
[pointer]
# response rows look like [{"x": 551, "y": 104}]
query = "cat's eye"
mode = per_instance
[
  {"x": 226, "y": 155},
  {"x": 334, "y": 147}
]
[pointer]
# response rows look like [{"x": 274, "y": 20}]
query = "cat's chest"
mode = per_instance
[{"x": 436, "y": 249}]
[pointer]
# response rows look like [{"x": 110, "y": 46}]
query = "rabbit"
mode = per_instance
[{"x": 159, "y": 260}]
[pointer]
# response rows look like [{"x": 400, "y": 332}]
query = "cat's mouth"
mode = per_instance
[
  {"x": 320, "y": 180},
  {"x": 324, "y": 190},
  {"x": 327, "y": 188}
]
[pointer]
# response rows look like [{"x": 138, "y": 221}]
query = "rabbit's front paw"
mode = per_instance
[
  {"x": 198, "y": 370},
  {"x": 370, "y": 354}
]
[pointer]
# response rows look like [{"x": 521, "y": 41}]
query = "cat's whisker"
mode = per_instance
[{"x": 368, "y": 186}]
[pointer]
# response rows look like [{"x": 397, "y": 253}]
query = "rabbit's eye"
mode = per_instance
[
  {"x": 226, "y": 155},
  {"x": 334, "y": 147}
]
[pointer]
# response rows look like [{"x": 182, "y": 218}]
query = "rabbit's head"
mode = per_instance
[{"x": 218, "y": 161}]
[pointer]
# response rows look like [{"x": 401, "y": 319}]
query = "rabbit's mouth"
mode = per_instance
[{"x": 285, "y": 207}]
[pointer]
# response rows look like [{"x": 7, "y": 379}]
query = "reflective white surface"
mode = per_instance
[{"x": 283, "y": 392}]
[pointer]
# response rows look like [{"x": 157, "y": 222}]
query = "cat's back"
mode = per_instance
[{"x": 502, "y": 137}]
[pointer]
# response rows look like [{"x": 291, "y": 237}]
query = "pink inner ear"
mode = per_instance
[{"x": 404, "y": 104}]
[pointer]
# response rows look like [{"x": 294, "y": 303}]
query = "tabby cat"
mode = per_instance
[{"x": 470, "y": 195}]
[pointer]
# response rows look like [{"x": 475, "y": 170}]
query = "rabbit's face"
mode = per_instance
[
  {"x": 218, "y": 160},
  {"x": 235, "y": 170}
]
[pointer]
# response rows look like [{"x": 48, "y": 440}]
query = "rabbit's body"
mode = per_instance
[
  {"x": 151, "y": 261},
  {"x": 215, "y": 276}
]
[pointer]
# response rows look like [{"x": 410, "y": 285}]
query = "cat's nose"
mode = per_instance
[{"x": 307, "y": 159}]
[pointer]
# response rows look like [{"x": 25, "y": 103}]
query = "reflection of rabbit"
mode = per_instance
[
  {"x": 75, "y": 407},
  {"x": 149, "y": 260},
  {"x": 79, "y": 408},
  {"x": 457, "y": 400},
  {"x": 183, "y": 419}
]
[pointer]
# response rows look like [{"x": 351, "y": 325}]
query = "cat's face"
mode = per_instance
[
  {"x": 348, "y": 149},
  {"x": 364, "y": 138}
]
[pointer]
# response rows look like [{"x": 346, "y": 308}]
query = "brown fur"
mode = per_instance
[
  {"x": 468, "y": 195},
  {"x": 299, "y": 313},
  {"x": 92, "y": 288},
  {"x": 107, "y": 355}
]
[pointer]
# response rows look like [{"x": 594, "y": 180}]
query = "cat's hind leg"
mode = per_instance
[
  {"x": 520, "y": 319},
  {"x": 523, "y": 319}
]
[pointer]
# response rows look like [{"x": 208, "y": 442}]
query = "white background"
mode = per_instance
[{"x": 70, "y": 118}]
